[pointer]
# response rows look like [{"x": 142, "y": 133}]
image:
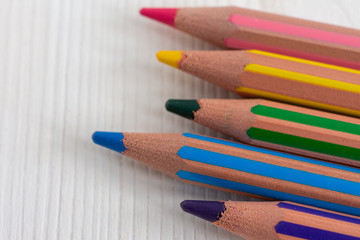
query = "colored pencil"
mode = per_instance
[
  {"x": 240, "y": 168},
  {"x": 275, "y": 220},
  {"x": 238, "y": 28},
  {"x": 278, "y": 126},
  {"x": 273, "y": 76}
]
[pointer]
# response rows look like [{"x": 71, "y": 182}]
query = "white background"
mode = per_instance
[{"x": 70, "y": 67}]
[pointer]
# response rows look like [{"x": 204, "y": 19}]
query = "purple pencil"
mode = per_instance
[{"x": 275, "y": 220}]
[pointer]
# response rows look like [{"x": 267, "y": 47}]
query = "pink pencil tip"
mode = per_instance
[{"x": 164, "y": 15}]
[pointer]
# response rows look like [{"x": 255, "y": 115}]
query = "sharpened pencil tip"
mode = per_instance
[
  {"x": 184, "y": 108},
  {"x": 208, "y": 210},
  {"x": 170, "y": 58},
  {"x": 164, "y": 15},
  {"x": 111, "y": 140}
]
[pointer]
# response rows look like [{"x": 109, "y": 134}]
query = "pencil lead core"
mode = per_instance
[
  {"x": 184, "y": 108},
  {"x": 208, "y": 210},
  {"x": 111, "y": 140},
  {"x": 164, "y": 15},
  {"x": 169, "y": 57}
]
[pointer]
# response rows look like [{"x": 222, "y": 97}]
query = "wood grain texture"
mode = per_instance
[{"x": 70, "y": 67}]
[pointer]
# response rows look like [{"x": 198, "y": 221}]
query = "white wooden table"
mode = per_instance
[{"x": 70, "y": 67}]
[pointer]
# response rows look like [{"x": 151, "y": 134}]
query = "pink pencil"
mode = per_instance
[{"x": 233, "y": 27}]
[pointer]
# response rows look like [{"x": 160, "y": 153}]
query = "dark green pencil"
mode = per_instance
[{"x": 278, "y": 126}]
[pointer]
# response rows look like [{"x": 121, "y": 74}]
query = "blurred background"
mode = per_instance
[{"x": 70, "y": 67}]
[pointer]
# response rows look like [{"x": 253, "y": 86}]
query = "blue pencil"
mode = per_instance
[{"x": 242, "y": 169}]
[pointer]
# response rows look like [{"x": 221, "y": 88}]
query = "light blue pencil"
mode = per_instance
[{"x": 242, "y": 169}]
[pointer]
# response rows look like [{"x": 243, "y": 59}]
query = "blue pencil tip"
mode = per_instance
[
  {"x": 208, "y": 210},
  {"x": 111, "y": 140}
]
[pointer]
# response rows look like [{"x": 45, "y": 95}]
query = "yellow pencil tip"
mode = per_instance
[{"x": 169, "y": 57}]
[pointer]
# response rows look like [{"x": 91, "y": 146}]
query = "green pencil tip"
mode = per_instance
[{"x": 185, "y": 108}]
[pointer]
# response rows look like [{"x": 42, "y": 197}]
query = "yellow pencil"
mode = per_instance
[{"x": 256, "y": 73}]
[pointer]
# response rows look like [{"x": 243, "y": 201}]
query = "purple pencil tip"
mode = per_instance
[{"x": 208, "y": 210}]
